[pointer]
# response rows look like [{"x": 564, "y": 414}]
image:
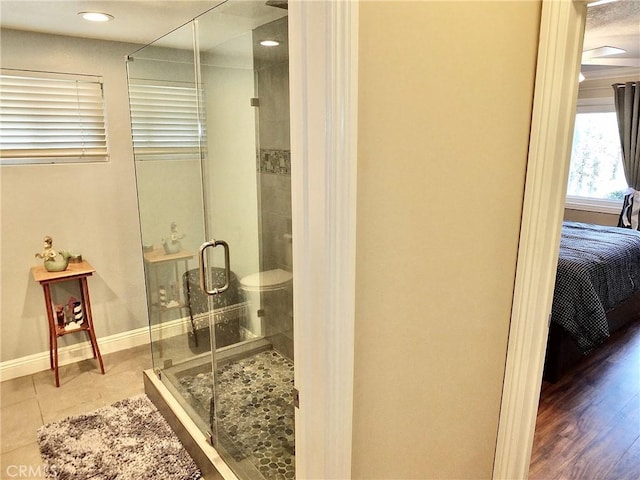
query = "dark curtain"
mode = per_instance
[{"x": 627, "y": 103}]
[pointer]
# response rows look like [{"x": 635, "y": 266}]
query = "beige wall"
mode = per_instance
[
  {"x": 445, "y": 95},
  {"x": 88, "y": 208},
  {"x": 598, "y": 218}
]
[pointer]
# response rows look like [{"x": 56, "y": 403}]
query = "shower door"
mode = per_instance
[
  {"x": 215, "y": 179},
  {"x": 247, "y": 178}
]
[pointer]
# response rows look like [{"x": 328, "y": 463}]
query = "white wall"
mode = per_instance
[
  {"x": 168, "y": 190},
  {"x": 598, "y": 84},
  {"x": 87, "y": 208},
  {"x": 232, "y": 179},
  {"x": 172, "y": 190}
]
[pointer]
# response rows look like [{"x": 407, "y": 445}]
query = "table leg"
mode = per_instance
[
  {"x": 84, "y": 292},
  {"x": 52, "y": 332},
  {"x": 181, "y": 293},
  {"x": 87, "y": 308},
  {"x": 50, "y": 349},
  {"x": 55, "y": 359}
]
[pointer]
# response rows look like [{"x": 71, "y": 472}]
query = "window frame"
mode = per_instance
[
  {"x": 21, "y": 102},
  {"x": 592, "y": 204}
]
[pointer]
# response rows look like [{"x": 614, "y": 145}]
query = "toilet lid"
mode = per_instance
[{"x": 269, "y": 280}]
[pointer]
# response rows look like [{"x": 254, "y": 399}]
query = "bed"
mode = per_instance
[{"x": 597, "y": 292}]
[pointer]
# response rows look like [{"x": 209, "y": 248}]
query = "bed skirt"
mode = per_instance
[{"x": 563, "y": 352}]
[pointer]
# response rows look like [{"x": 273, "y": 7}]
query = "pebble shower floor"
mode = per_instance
[{"x": 255, "y": 409}]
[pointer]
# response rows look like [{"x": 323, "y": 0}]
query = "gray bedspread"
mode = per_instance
[{"x": 598, "y": 267}]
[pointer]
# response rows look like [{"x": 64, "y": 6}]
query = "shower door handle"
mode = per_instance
[{"x": 203, "y": 270}]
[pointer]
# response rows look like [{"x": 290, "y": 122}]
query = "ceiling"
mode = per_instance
[
  {"x": 143, "y": 21},
  {"x": 135, "y": 21},
  {"x": 614, "y": 24}
]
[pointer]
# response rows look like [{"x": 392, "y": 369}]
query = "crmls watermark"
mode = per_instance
[{"x": 31, "y": 471}]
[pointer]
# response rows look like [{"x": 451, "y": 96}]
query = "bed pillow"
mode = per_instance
[{"x": 630, "y": 215}]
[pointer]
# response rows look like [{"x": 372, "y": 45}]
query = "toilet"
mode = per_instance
[{"x": 257, "y": 286}]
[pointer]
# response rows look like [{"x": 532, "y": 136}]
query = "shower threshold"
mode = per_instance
[
  {"x": 187, "y": 423},
  {"x": 209, "y": 461}
]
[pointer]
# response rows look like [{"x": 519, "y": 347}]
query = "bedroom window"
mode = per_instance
[
  {"x": 596, "y": 176},
  {"x": 51, "y": 118},
  {"x": 165, "y": 121}
]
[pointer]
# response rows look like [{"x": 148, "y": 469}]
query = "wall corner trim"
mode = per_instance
[{"x": 323, "y": 39}]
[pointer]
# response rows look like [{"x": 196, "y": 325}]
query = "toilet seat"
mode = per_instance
[{"x": 266, "y": 281}]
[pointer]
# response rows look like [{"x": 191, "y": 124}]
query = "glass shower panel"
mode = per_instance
[
  {"x": 213, "y": 158},
  {"x": 167, "y": 135}
]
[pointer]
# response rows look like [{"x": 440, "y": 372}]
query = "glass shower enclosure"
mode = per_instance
[{"x": 210, "y": 125}]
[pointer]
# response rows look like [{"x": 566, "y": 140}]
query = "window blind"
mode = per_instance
[
  {"x": 51, "y": 118},
  {"x": 165, "y": 121}
]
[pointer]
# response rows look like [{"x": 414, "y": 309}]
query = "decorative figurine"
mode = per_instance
[
  {"x": 53, "y": 262},
  {"x": 60, "y": 315},
  {"x": 172, "y": 244},
  {"x": 48, "y": 253},
  {"x": 76, "y": 308}
]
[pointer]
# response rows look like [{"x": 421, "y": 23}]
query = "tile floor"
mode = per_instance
[
  {"x": 255, "y": 410},
  {"x": 29, "y": 402}
]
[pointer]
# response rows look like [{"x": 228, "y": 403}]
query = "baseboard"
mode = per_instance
[{"x": 38, "y": 362}]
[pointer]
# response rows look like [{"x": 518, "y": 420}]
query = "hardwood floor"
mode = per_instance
[{"x": 588, "y": 425}]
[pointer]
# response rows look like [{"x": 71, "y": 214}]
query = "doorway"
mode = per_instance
[{"x": 561, "y": 42}]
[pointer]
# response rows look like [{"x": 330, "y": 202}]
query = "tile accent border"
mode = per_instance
[{"x": 274, "y": 161}]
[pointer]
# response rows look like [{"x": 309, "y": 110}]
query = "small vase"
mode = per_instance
[
  {"x": 60, "y": 315},
  {"x": 171, "y": 247}
]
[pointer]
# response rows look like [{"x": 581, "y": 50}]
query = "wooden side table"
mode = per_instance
[{"x": 75, "y": 271}]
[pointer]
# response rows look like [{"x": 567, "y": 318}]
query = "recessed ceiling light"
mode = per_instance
[
  {"x": 588, "y": 55},
  {"x": 96, "y": 16},
  {"x": 269, "y": 43}
]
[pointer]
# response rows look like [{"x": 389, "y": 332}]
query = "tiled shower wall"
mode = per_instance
[{"x": 274, "y": 177}]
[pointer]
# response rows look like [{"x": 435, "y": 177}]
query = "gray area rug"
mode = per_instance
[{"x": 129, "y": 440}]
